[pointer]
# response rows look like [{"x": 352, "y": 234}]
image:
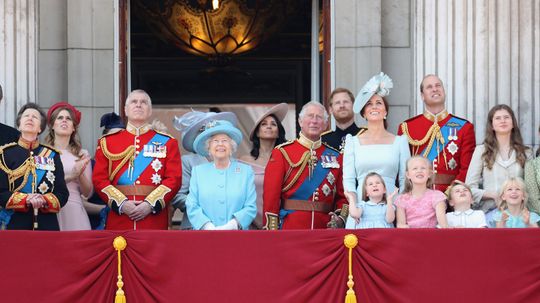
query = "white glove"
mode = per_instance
[
  {"x": 231, "y": 225},
  {"x": 209, "y": 226}
]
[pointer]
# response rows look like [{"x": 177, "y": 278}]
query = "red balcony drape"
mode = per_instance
[{"x": 263, "y": 266}]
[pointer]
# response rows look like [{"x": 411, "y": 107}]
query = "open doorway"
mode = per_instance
[{"x": 278, "y": 69}]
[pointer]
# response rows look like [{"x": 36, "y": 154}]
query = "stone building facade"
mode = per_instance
[{"x": 486, "y": 52}]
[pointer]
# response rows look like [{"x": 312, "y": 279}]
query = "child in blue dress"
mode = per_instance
[
  {"x": 375, "y": 209},
  {"x": 512, "y": 212}
]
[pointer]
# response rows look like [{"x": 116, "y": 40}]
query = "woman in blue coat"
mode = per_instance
[{"x": 222, "y": 192}]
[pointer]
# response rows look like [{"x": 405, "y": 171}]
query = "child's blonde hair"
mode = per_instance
[
  {"x": 408, "y": 183},
  {"x": 364, "y": 191},
  {"x": 514, "y": 181}
]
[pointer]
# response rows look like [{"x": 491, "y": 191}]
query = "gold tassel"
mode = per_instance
[
  {"x": 350, "y": 242},
  {"x": 120, "y": 244}
]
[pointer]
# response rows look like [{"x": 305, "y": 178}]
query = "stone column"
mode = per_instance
[
  {"x": 76, "y": 59},
  {"x": 370, "y": 37},
  {"x": 17, "y": 56},
  {"x": 487, "y": 53}
]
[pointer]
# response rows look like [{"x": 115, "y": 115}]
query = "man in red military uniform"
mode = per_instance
[
  {"x": 303, "y": 178},
  {"x": 138, "y": 170},
  {"x": 448, "y": 141}
]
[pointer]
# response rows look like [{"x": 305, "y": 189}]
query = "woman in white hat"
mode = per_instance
[
  {"x": 374, "y": 150},
  {"x": 191, "y": 124},
  {"x": 266, "y": 133},
  {"x": 221, "y": 192}
]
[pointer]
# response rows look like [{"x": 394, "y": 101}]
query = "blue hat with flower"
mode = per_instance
[
  {"x": 192, "y": 124},
  {"x": 379, "y": 84},
  {"x": 212, "y": 128}
]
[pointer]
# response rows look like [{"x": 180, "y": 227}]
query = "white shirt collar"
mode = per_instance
[{"x": 468, "y": 212}]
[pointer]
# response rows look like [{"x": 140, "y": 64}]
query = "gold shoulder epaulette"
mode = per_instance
[
  {"x": 110, "y": 134},
  {"x": 330, "y": 147},
  {"x": 6, "y": 146},
  {"x": 165, "y": 134},
  {"x": 326, "y": 132},
  {"x": 51, "y": 148},
  {"x": 284, "y": 144}
]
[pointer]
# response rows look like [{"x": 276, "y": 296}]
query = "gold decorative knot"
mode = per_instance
[
  {"x": 350, "y": 241},
  {"x": 119, "y": 243}
]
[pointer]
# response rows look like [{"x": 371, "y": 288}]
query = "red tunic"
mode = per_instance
[
  {"x": 159, "y": 175},
  {"x": 284, "y": 166},
  {"x": 452, "y": 144}
]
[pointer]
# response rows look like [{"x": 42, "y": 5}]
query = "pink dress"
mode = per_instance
[
  {"x": 420, "y": 212},
  {"x": 73, "y": 216}
]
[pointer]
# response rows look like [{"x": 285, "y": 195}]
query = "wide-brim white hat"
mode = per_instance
[
  {"x": 279, "y": 110},
  {"x": 212, "y": 128},
  {"x": 379, "y": 84},
  {"x": 191, "y": 124}
]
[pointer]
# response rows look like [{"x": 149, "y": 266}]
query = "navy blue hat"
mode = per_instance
[{"x": 111, "y": 120}]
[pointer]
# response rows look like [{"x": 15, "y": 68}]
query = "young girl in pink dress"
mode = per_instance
[{"x": 419, "y": 206}]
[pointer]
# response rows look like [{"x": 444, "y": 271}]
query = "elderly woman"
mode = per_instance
[
  {"x": 502, "y": 156},
  {"x": 63, "y": 122},
  {"x": 267, "y": 133},
  {"x": 374, "y": 150},
  {"x": 32, "y": 186},
  {"x": 221, "y": 192}
]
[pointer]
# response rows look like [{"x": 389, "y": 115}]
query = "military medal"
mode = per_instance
[
  {"x": 329, "y": 161},
  {"x": 155, "y": 150},
  {"x": 331, "y": 178},
  {"x": 156, "y": 165},
  {"x": 44, "y": 163},
  {"x": 452, "y": 164},
  {"x": 50, "y": 176},
  {"x": 326, "y": 189},
  {"x": 452, "y": 134},
  {"x": 452, "y": 148},
  {"x": 43, "y": 188},
  {"x": 156, "y": 179}
]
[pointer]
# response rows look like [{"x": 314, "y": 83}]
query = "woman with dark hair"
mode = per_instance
[
  {"x": 502, "y": 156},
  {"x": 375, "y": 149},
  {"x": 32, "y": 186},
  {"x": 267, "y": 133},
  {"x": 63, "y": 122},
  {"x": 532, "y": 180}
]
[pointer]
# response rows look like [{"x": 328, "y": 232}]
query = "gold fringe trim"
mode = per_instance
[
  {"x": 125, "y": 156},
  {"x": 350, "y": 242},
  {"x": 302, "y": 163},
  {"x": 119, "y": 244}
]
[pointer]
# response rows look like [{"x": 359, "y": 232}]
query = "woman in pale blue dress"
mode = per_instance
[
  {"x": 374, "y": 150},
  {"x": 222, "y": 192}
]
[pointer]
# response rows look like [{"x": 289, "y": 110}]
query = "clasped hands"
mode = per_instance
[
  {"x": 36, "y": 201},
  {"x": 136, "y": 210}
]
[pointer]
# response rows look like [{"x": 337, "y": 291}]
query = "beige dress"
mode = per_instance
[
  {"x": 258, "y": 170},
  {"x": 482, "y": 179}
]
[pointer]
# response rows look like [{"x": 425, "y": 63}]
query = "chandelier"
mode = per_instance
[{"x": 215, "y": 29}]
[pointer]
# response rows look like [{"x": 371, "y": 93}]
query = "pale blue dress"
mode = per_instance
[
  {"x": 219, "y": 195},
  {"x": 388, "y": 160},
  {"x": 515, "y": 221},
  {"x": 373, "y": 216}
]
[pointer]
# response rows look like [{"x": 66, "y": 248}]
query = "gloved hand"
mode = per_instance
[{"x": 231, "y": 225}]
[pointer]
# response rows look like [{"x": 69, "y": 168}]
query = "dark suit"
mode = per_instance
[{"x": 8, "y": 134}]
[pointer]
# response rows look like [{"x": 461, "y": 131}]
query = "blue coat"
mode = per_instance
[{"x": 217, "y": 195}]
